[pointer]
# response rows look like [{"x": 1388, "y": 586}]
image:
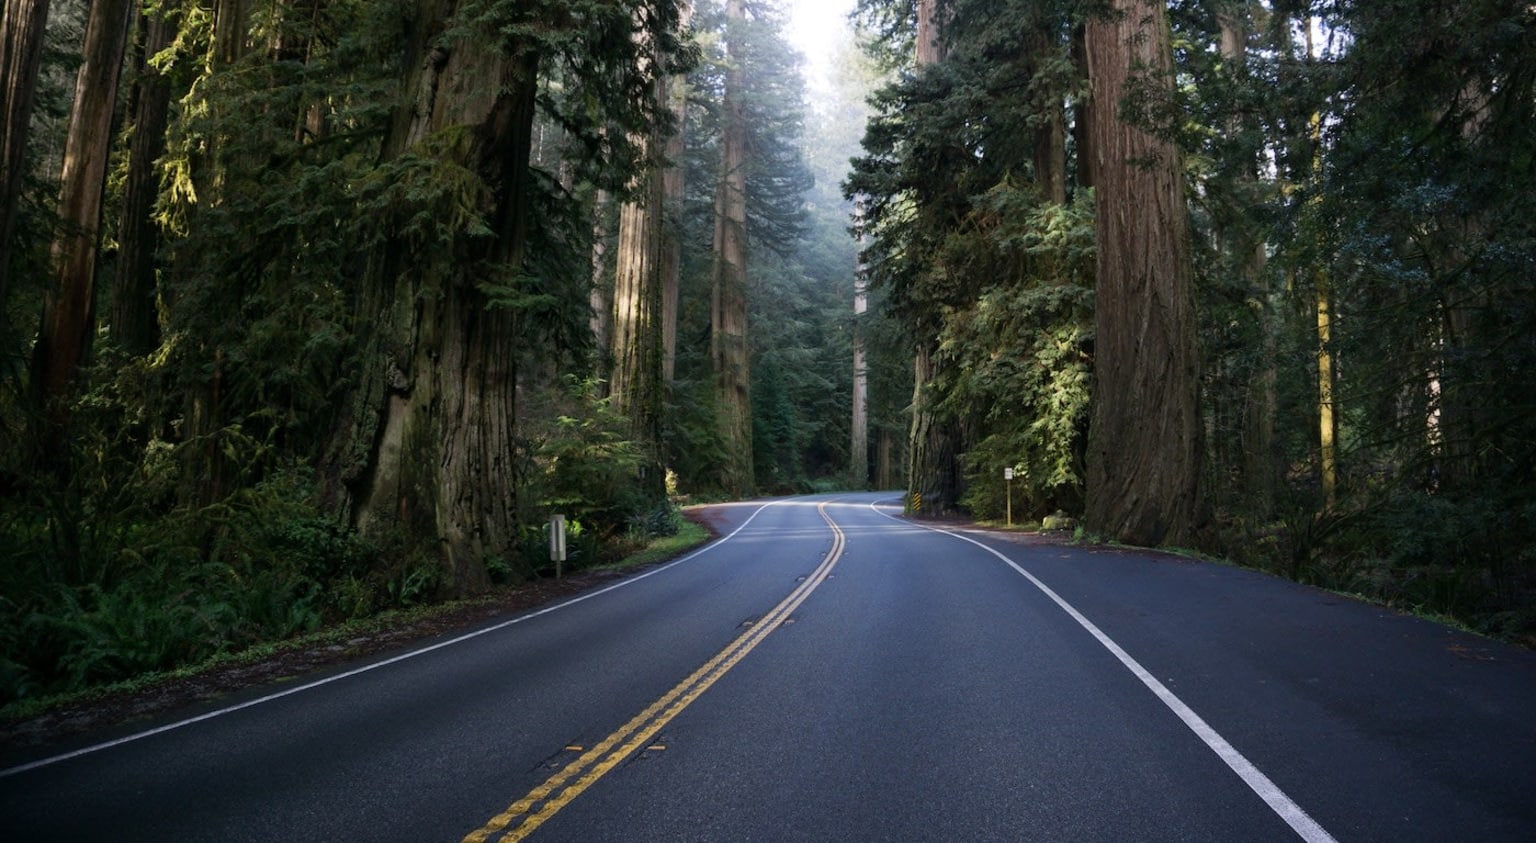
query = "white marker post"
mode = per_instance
[
  {"x": 557, "y": 542},
  {"x": 1008, "y": 476}
]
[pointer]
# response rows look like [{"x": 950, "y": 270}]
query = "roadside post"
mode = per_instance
[
  {"x": 1008, "y": 476},
  {"x": 557, "y": 542}
]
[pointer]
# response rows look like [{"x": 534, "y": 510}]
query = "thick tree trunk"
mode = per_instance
[
  {"x": 69, "y": 317},
  {"x": 635, "y": 383},
  {"x": 135, "y": 323},
  {"x": 23, "y": 23},
  {"x": 933, "y": 445},
  {"x": 728, "y": 340},
  {"x": 439, "y": 405},
  {"x": 936, "y": 482},
  {"x": 930, "y": 30},
  {"x": 1145, "y": 453}
]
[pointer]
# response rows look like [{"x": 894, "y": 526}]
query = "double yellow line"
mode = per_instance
[{"x": 527, "y": 814}]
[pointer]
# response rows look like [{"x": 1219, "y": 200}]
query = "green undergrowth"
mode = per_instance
[
  {"x": 662, "y": 548},
  {"x": 688, "y": 535}
]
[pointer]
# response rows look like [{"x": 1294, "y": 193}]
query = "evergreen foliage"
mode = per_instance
[
  {"x": 1374, "y": 158},
  {"x": 969, "y": 248}
]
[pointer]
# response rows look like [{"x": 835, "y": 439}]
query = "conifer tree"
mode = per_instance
[{"x": 1145, "y": 453}]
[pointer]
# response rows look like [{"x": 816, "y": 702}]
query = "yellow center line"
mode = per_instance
[{"x": 558, "y": 790}]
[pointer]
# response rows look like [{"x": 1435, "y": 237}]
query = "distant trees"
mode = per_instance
[
  {"x": 728, "y": 266},
  {"x": 980, "y": 242},
  {"x": 740, "y": 255}
]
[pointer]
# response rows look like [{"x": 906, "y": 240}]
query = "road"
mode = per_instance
[{"x": 829, "y": 672}]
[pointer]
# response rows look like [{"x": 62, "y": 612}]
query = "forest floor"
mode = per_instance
[{"x": 143, "y": 700}]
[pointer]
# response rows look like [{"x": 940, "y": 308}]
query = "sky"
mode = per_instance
[{"x": 818, "y": 28}]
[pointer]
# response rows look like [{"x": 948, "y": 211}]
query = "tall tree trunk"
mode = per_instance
[
  {"x": 437, "y": 412},
  {"x": 1327, "y": 377},
  {"x": 1050, "y": 142},
  {"x": 728, "y": 323},
  {"x": 858, "y": 449},
  {"x": 1082, "y": 136},
  {"x": 23, "y": 23},
  {"x": 933, "y": 446},
  {"x": 1327, "y": 385},
  {"x": 1145, "y": 454},
  {"x": 930, "y": 32},
  {"x": 934, "y": 486},
  {"x": 635, "y": 383},
  {"x": 135, "y": 324},
  {"x": 602, "y": 287},
  {"x": 672, "y": 195},
  {"x": 69, "y": 317}
]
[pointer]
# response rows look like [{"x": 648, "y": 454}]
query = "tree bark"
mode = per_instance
[
  {"x": 601, "y": 299},
  {"x": 935, "y": 484},
  {"x": 858, "y": 449},
  {"x": 728, "y": 339},
  {"x": 1327, "y": 378},
  {"x": 439, "y": 404},
  {"x": 636, "y": 380},
  {"x": 672, "y": 196},
  {"x": 930, "y": 31},
  {"x": 1050, "y": 142},
  {"x": 69, "y": 317},
  {"x": 933, "y": 446},
  {"x": 1145, "y": 452},
  {"x": 135, "y": 324},
  {"x": 23, "y": 23}
]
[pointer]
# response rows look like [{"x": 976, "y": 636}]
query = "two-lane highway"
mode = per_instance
[{"x": 828, "y": 671}]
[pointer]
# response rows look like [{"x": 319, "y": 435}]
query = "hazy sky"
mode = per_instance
[{"x": 818, "y": 28}]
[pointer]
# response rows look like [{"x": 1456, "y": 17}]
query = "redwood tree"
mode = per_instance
[
  {"x": 23, "y": 23},
  {"x": 69, "y": 311},
  {"x": 1144, "y": 458},
  {"x": 134, "y": 324},
  {"x": 728, "y": 323},
  {"x": 435, "y": 426}
]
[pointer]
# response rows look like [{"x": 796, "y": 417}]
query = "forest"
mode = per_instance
[{"x": 314, "y": 309}]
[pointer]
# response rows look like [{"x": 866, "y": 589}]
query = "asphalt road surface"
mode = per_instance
[{"x": 829, "y": 672}]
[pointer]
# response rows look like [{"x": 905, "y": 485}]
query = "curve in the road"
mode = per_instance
[
  {"x": 546, "y": 800},
  {"x": 1277, "y": 800}
]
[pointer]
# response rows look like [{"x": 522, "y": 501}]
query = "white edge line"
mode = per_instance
[
  {"x": 1283, "y": 806},
  {"x": 137, "y": 736}
]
